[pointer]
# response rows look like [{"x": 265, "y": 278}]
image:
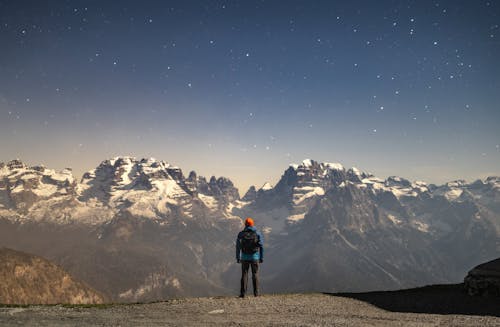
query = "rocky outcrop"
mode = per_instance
[{"x": 484, "y": 279}]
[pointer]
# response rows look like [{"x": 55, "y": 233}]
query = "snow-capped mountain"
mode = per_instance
[
  {"x": 303, "y": 185},
  {"x": 155, "y": 189},
  {"x": 126, "y": 221},
  {"x": 138, "y": 229},
  {"x": 37, "y": 193},
  {"x": 144, "y": 188},
  {"x": 373, "y": 233},
  {"x": 22, "y": 186}
]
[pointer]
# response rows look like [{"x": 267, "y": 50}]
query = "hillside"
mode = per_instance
[
  {"x": 430, "y": 306},
  {"x": 28, "y": 279}
]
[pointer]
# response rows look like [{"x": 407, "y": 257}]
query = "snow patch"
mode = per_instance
[
  {"x": 421, "y": 226},
  {"x": 266, "y": 187},
  {"x": 310, "y": 192},
  {"x": 355, "y": 171},
  {"x": 209, "y": 201},
  {"x": 334, "y": 165},
  {"x": 296, "y": 218},
  {"x": 394, "y": 220},
  {"x": 307, "y": 163},
  {"x": 46, "y": 191},
  {"x": 453, "y": 194}
]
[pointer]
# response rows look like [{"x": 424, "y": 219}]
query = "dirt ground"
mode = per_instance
[{"x": 443, "y": 308}]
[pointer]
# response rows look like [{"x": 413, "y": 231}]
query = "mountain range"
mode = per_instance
[{"x": 138, "y": 230}]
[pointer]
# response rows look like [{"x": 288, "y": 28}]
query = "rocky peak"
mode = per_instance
[
  {"x": 355, "y": 175},
  {"x": 397, "y": 181},
  {"x": 312, "y": 174},
  {"x": 21, "y": 186},
  {"x": 251, "y": 194},
  {"x": 191, "y": 182},
  {"x": 41, "y": 168},
  {"x": 224, "y": 183},
  {"x": 192, "y": 176},
  {"x": 176, "y": 173},
  {"x": 457, "y": 183},
  {"x": 202, "y": 186},
  {"x": 266, "y": 187},
  {"x": 119, "y": 182},
  {"x": 493, "y": 182},
  {"x": 228, "y": 189},
  {"x": 223, "y": 187},
  {"x": 16, "y": 164},
  {"x": 492, "y": 179}
]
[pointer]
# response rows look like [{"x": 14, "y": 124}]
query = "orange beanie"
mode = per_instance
[{"x": 249, "y": 222}]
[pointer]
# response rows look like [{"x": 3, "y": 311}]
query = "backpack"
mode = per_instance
[{"x": 249, "y": 242}]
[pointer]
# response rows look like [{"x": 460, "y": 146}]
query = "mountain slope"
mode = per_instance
[{"x": 28, "y": 279}]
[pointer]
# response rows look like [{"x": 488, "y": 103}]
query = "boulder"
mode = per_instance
[{"x": 484, "y": 279}]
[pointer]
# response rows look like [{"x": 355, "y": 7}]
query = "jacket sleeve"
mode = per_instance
[
  {"x": 238, "y": 249},
  {"x": 261, "y": 247}
]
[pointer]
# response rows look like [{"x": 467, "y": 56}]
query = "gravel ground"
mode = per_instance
[{"x": 267, "y": 310}]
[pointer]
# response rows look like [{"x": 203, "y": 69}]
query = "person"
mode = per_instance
[{"x": 249, "y": 252}]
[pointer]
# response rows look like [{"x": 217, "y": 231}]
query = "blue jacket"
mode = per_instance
[{"x": 259, "y": 255}]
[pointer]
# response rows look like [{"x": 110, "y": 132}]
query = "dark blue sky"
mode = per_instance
[{"x": 243, "y": 88}]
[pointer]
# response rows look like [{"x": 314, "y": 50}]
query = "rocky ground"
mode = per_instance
[{"x": 430, "y": 306}]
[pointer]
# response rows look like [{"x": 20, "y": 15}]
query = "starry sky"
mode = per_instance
[{"x": 244, "y": 88}]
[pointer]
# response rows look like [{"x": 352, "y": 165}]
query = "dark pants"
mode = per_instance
[{"x": 245, "y": 265}]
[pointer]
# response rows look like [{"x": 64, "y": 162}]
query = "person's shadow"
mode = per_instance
[{"x": 435, "y": 299}]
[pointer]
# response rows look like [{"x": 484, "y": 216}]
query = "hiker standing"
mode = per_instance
[{"x": 249, "y": 245}]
